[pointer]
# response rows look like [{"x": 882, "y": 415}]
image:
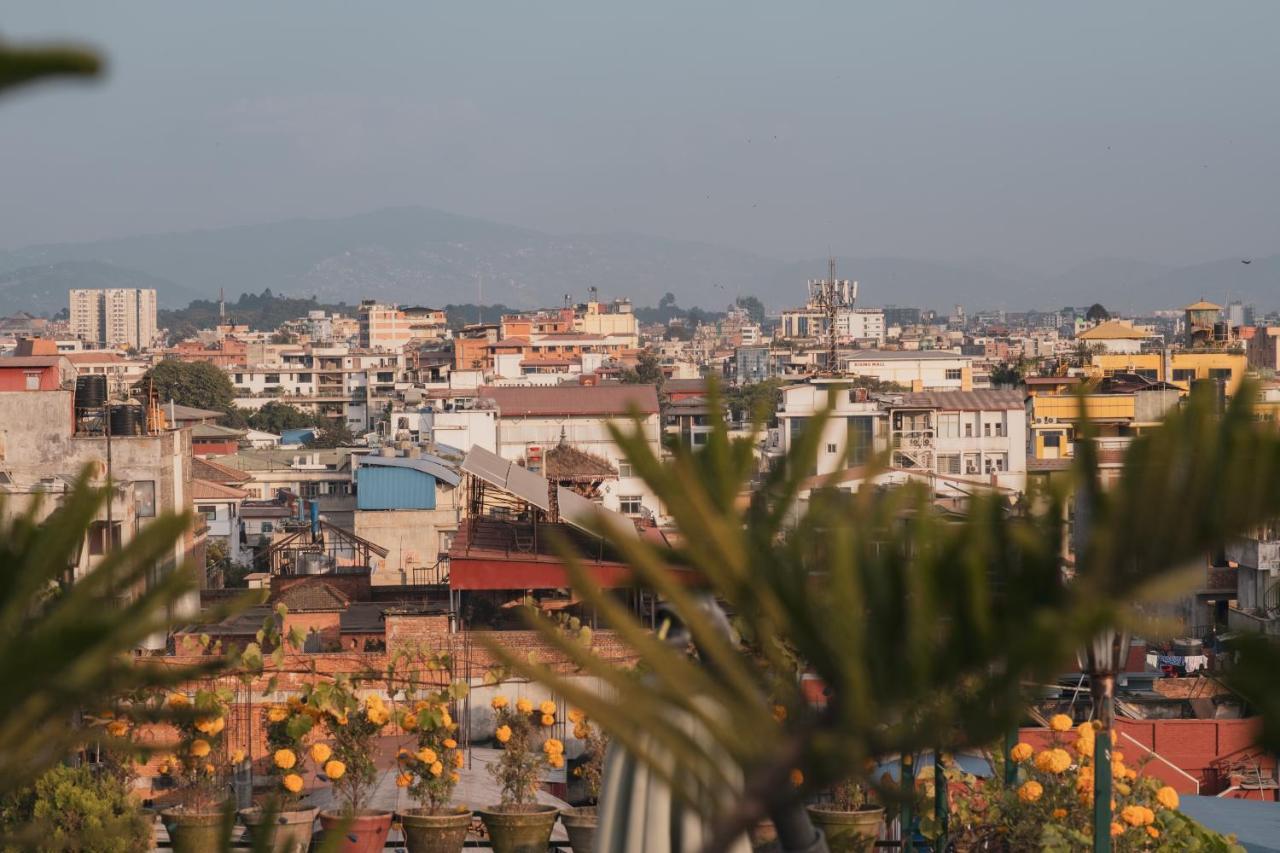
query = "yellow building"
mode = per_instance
[
  {"x": 1117, "y": 410},
  {"x": 1176, "y": 368}
]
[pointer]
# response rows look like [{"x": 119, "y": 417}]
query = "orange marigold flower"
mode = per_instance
[
  {"x": 524, "y": 706},
  {"x": 797, "y": 778},
  {"x": 1060, "y": 723},
  {"x": 404, "y": 780},
  {"x": 1030, "y": 791},
  {"x": 1167, "y": 797},
  {"x": 1153, "y": 832},
  {"x": 292, "y": 783},
  {"x": 548, "y": 720},
  {"x": 503, "y": 734},
  {"x": 1116, "y": 829},
  {"x": 498, "y": 702},
  {"x": 335, "y": 769},
  {"x": 285, "y": 759},
  {"x": 1059, "y": 814},
  {"x": 1021, "y": 752},
  {"x": 547, "y": 707}
]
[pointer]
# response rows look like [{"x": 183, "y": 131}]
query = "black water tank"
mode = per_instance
[
  {"x": 91, "y": 391},
  {"x": 127, "y": 419}
]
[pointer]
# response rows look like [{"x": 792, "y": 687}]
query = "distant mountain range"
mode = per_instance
[{"x": 422, "y": 256}]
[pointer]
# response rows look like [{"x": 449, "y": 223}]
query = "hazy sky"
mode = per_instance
[{"x": 1036, "y": 133}]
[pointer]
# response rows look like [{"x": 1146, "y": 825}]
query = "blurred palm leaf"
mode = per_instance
[
  {"x": 923, "y": 628},
  {"x": 22, "y": 65},
  {"x": 69, "y": 647}
]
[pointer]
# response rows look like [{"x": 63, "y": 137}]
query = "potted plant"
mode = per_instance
[
  {"x": 851, "y": 822},
  {"x": 194, "y": 824},
  {"x": 580, "y": 822},
  {"x": 519, "y": 824},
  {"x": 430, "y": 773},
  {"x": 284, "y": 822},
  {"x": 353, "y": 725}
]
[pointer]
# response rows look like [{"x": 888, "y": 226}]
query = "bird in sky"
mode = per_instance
[{"x": 1246, "y": 260}]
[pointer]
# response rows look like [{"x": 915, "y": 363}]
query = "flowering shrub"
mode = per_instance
[
  {"x": 520, "y": 768},
  {"x": 287, "y": 727},
  {"x": 198, "y": 764},
  {"x": 595, "y": 744},
  {"x": 1050, "y": 805},
  {"x": 431, "y": 771},
  {"x": 353, "y": 726}
]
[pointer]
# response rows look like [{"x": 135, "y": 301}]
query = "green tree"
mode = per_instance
[
  {"x": 276, "y": 417},
  {"x": 754, "y": 308},
  {"x": 191, "y": 383},
  {"x": 334, "y": 433},
  {"x": 756, "y": 402},
  {"x": 1097, "y": 314},
  {"x": 648, "y": 371}
]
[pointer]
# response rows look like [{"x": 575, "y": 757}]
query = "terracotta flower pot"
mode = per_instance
[
  {"x": 365, "y": 831},
  {"x": 426, "y": 831},
  {"x": 849, "y": 832},
  {"x": 287, "y": 831},
  {"x": 580, "y": 823},
  {"x": 191, "y": 831},
  {"x": 519, "y": 829}
]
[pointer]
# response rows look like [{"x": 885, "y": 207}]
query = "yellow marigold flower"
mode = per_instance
[
  {"x": 547, "y": 707},
  {"x": 294, "y": 703},
  {"x": 320, "y": 753},
  {"x": 1060, "y": 723},
  {"x": 446, "y": 720},
  {"x": 200, "y": 747},
  {"x": 551, "y": 746},
  {"x": 1021, "y": 752},
  {"x": 581, "y": 731},
  {"x": 117, "y": 728},
  {"x": 377, "y": 715},
  {"x": 548, "y": 720},
  {"x": 335, "y": 769},
  {"x": 1167, "y": 797},
  {"x": 1131, "y": 774},
  {"x": 1116, "y": 829},
  {"x": 1153, "y": 832},
  {"x": 1136, "y": 815},
  {"x": 1030, "y": 791},
  {"x": 408, "y": 722},
  {"x": 454, "y": 778},
  {"x": 498, "y": 702},
  {"x": 427, "y": 755},
  {"x": 576, "y": 715},
  {"x": 1053, "y": 761},
  {"x": 524, "y": 706},
  {"x": 1123, "y": 790},
  {"x": 1118, "y": 770},
  {"x": 1085, "y": 730},
  {"x": 285, "y": 759},
  {"x": 209, "y": 770},
  {"x": 237, "y": 756},
  {"x": 178, "y": 700},
  {"x": 779, "y": 713},
  {"x": 277, "y": 714},
  {"x": 797, "y": 778},
  {"x": 341, "y": 719},
  {"x": 556, "y": 761},
  {"x": 292, "y": 783},
  {"x": 459, "y": 760},
  {"x": 1059, "y": 814},
  {"x": 450, "y": 743},
  {"x": 404, "y": 780},
  {"x": 1083, "y": 747},
  {"x": 503, "y": 734},
  {"x": 436, "y": 768},
  {"x": 1117, "y": 755}
]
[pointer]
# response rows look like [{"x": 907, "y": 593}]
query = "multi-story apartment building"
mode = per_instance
[
  {"x": 920, "y": 370},
  {"x": 534, "y": 420},
  {"x": 852, "y": 324},
  {"x": 974, "y": 435},
  {"x": 1177, "y": 367},
  {"x": 334, "y": 381},
  {"x": 856, "y": 431},
  {"x": 114, "y": 317},
  {"x": 390, "y": 327}
]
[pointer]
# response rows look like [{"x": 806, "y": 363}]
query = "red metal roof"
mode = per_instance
[{"x": 616, "y": 400}]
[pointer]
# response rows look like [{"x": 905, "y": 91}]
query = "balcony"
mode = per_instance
[{"x": 1256, "y": 553}]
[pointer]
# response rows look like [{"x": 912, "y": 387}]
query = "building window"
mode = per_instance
[
  {"x": 98, "y": 537},
  {"x": 948, "y": 425},
  {"x": 1223, "y": 373},
  {"x": 309, "y": 490},
  {"x": 629, "y": 504},
  {"x": 968, "y": 430},
  {"x": 986, "y": 430},
  {"x": 144, "y": 498},
  {"x": 993, "y": 463},
  {"x": 209, "y": 511},
  {"x": 625, "y": 469},
  {"x": 1000, "y": 429},
  {"x": 954, "y": 373},
  {"x": 1053, "y": 439},
  {"x": 949, "y": 463},
  {"x": 266, "y": 527},
  {"x": 33, "y": 380},
  {"x": 831, "y": 448}
]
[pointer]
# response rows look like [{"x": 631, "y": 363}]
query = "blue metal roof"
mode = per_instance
[
  {"x": 427, "y": 464},
  {"x": 1255, "y": 824},
  {"x": 298, "y": 435}
]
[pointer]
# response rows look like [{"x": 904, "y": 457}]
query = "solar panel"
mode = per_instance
[{"x": 589, "y": 516}]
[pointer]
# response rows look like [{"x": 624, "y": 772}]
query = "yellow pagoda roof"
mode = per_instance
[{"x": 1112, "y": 331}]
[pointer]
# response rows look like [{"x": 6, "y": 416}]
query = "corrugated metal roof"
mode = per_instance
[
  {"x": 965, "y": 401},
  {"x": 617, "y": 400},
  {"x": 433, "y": 465}
]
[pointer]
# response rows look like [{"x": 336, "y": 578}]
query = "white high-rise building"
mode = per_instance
[{"x": 112, "y": 317}]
